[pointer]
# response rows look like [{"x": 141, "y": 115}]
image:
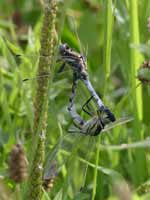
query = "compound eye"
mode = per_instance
[{"x": 63, "y": 48}]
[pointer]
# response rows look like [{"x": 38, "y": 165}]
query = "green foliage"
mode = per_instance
[{"x": 114, "y": 38}]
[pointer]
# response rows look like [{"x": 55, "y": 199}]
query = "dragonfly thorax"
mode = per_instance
[
  {"x": 75, "y": 60},
  {"x": 93, "y": 126}
]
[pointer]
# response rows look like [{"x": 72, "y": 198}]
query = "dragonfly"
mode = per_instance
[{"x": 79, "y": 67}]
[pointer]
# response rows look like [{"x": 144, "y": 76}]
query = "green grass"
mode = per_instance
[{"x": 111, "y": 37}]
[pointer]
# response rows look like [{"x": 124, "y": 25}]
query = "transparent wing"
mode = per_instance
[
  {"x": 73, "y": 129},
  {"x": 71, "y": 146},
  {"x": 118, "y": 122},
  {"x": 51, "y": 170},
  {"x": 65, "y": 147},
  {"x": 65, "y": 156},
  {"x": 108, "y": 127}
]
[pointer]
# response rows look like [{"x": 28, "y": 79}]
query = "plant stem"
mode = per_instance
[
  {"x": 107, "y": 64},
  {"x": 135, "y": 57},
  {"x": 17, "y": 192},
  {"x": 95, "y": 169},
  {"x": 108, "y": 39},
  {"x": 48, "y": 44},
  {"x": 135, "y": 60}
]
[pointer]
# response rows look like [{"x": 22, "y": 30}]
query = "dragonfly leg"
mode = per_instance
[
  {"x": 71, "y": 108},
  {"x": 62, "y": 67},
  {"x": 102, "y": 124},
  {"x": 99, "y": 102},
  {"x": 92, "y": 130},
  {"x": 86, "y": 104}
]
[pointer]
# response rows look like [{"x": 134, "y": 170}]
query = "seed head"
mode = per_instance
[{"x": 17, "y": 164}]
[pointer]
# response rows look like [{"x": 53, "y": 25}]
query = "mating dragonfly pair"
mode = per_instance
[
  {"x": 79, "y": 67},
  {"x": 103, "y": 116},
  {"x": 92, "y": 127}
]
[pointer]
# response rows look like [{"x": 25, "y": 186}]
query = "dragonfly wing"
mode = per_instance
[
  {"x": 65, "y": 146},
  {"x": 118, "y": 123},
  {"x": 73, "y": 129},
  {"x": 51, "y": 170}
]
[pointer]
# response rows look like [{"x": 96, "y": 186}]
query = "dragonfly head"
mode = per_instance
[{"x": 63, "y": 48}]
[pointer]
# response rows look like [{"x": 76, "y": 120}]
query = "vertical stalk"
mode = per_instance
[
  {"x": 95, "y": 170},
  {"x": 107, "y": 64},
  {"x": 48, "y": 44},
  {"x": 135, "y": 56},
  {"x": 46, "y": 54},
  {"x": 135, "y": 59},
  {"x": 108, "y": 39},
  {"x": 17, "y": 192}
]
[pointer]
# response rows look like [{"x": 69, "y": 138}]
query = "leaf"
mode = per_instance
[
  {"x": 15, "y": 49},
  {"x": 6, "y": 53},
  {"x": 59, "y": 195},
  {"x": 82, "y": 196}
]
